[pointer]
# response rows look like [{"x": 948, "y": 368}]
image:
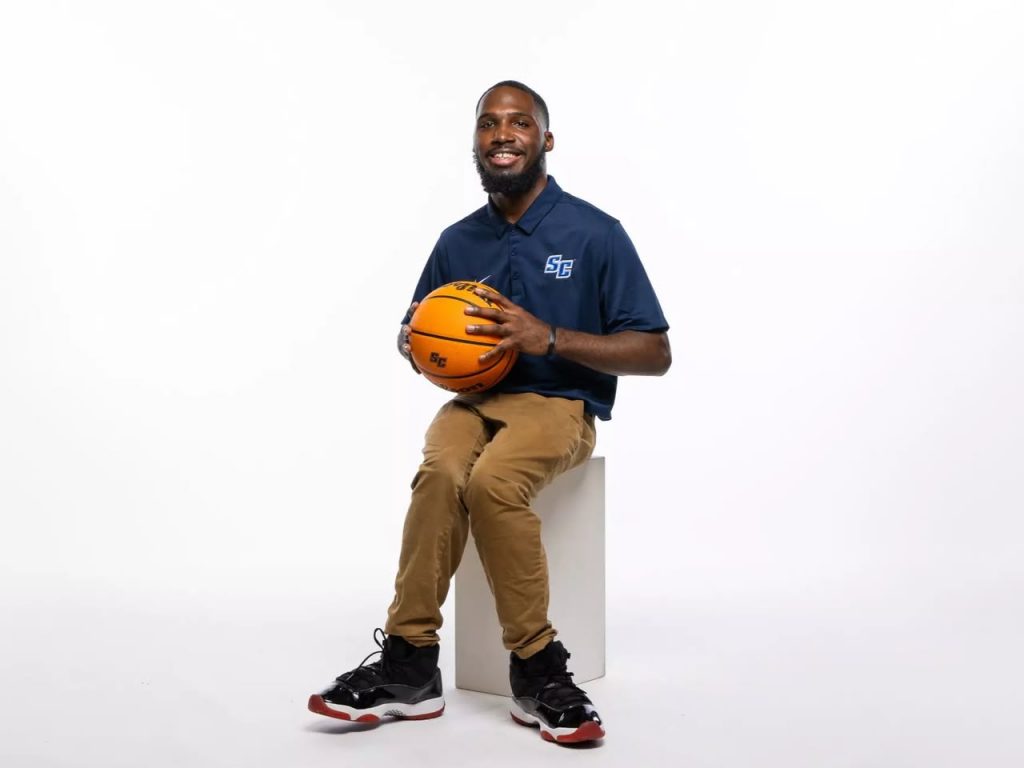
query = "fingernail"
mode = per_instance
[{"x": 471, "y": 328}]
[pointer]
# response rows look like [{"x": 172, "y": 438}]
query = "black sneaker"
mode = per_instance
[
  {"x": 544, "y": 694},
  {"x": 405, "y": 682}
]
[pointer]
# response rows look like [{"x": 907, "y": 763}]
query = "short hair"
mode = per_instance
[{"x": 537, "y": 99}]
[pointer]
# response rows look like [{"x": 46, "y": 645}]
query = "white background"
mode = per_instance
[{"x": 212, "y": 216}]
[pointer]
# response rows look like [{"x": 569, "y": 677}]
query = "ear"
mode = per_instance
[{"x": 549, "y": 141}]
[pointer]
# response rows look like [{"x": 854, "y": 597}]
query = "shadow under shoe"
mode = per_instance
[
  {"x": 404, "y": 682},
  {"x": 544, "y": 694}
]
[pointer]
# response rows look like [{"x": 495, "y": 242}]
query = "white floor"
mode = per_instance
[{"x": 922, "y": 679}]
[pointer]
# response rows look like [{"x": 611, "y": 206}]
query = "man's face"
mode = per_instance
[{"x": 510, "y": 142}]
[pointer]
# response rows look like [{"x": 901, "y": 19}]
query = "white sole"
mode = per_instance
[
  {"x": 423, "y": 710},
  {"x": 589, "y": 732}
]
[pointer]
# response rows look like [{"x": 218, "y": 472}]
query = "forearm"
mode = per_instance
[{"x": 620, "y": 354}]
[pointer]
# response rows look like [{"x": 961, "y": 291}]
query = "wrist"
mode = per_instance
[{"x": 552, "y": 341}]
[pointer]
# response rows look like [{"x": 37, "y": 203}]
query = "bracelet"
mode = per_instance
[{"x": 552, "y": 337}]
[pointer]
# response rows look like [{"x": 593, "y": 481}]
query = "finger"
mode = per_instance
[
  {"x": 483, "y": 293},
  {"x": 492, "y": 354},
  {"x": 488, "y": 314},
  {"x": 485, "y": 330}
]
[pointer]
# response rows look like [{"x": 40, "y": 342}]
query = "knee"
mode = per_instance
[
  {"x": 499, "y": 510},
  {"x": 495, "y": 488},
  {"x": 440, "y": 472}
]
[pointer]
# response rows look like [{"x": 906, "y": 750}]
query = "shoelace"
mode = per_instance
[{"x": 368, "y": 673}]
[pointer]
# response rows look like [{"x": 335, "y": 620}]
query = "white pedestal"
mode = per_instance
[{"x": 572, "y": 512}]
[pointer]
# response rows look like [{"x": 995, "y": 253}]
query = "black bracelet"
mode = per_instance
[{"x": 552, "y": 337}]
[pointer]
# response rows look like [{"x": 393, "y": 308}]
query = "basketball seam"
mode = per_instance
[
  {"x": 452, "y": 338},
  {"x": 491, "y": 303}
]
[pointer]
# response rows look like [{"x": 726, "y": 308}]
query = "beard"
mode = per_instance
[{"x": 510, "y": 184}]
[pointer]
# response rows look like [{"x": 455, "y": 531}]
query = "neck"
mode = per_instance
[{"x": 513, "y": 208}]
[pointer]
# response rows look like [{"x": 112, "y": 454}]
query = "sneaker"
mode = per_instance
[
  {"x": 544, "y": 694},
  {"x": 404, "y": 682}
]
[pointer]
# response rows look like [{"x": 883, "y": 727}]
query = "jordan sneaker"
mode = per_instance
[
  {"x": 404, "y": 682},
  {"x": 543, "y": 694}
]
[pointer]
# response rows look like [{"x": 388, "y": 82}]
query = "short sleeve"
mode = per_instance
[{"x": 628, "y": 301}]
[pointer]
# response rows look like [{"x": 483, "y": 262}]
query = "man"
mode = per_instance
[{"x": 580, "y": 311}]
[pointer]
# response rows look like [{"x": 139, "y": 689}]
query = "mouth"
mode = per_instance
[{"x": 503, "y": 157}]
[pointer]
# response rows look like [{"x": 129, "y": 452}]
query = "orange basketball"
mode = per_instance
[{"x": 441, "y": 348}]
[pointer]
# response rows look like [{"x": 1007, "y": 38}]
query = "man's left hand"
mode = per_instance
[{"x": 516, "y": 327}]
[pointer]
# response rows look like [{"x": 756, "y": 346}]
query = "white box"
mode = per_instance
[{"x": 572, "y": 514}]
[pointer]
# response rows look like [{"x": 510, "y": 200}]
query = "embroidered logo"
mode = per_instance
[{"x": 558, "y": 266}]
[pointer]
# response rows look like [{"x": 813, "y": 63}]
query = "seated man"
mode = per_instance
[{"x": 580, "y": 311}]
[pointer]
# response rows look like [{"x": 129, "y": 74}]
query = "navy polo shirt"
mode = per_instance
[{"x": 567, "y": 263}]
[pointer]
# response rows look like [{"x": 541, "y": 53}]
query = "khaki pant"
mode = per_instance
[{"x": 484, "y": 460}]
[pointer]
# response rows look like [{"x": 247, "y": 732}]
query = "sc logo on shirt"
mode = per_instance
[{"x": 558, "y": 266}]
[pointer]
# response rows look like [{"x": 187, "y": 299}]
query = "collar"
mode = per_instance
[{"x": 534, "y": 215}]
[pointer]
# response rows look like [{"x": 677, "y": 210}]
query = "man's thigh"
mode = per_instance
[
  {"x": 454, "y": 439},
  {"x": 538, "y": 439}
]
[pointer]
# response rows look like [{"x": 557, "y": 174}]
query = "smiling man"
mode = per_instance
[
  {"x": 512, "y": 169},
  {"x": 581, "y": 311}
]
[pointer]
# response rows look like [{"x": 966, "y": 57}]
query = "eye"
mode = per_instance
[{"x": 523, "y": 123}]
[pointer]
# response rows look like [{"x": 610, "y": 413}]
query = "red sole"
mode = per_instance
[
  {"x": 317, "y": 705},
  {"x": 587, "y": 732}
]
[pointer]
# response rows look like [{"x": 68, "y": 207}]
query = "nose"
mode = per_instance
[{"x": 502, "y": 133}]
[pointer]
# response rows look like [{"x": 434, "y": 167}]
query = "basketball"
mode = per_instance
[{"x": 441, "y": 348}]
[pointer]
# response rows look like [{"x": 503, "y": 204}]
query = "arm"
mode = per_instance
[
  {"x": 625, "y": 352},
  {"x": 620, "y": 354}
]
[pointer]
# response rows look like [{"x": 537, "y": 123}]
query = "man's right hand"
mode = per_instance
[{"x": 403, "y": 340}]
